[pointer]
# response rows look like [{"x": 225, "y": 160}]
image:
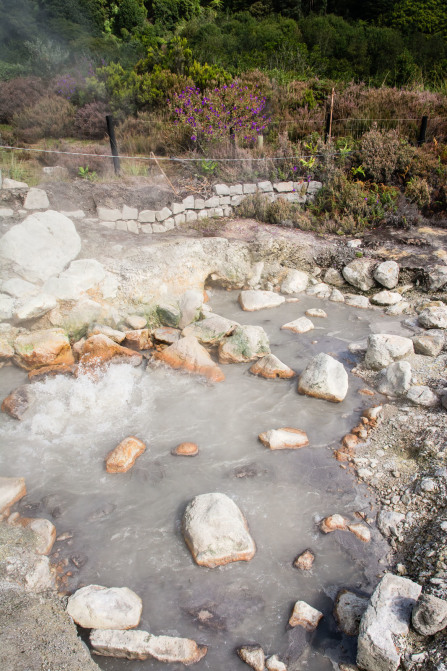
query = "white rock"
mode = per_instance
[
  {"x": 395, "y": 380},
  {"x": 334, "y": 277},
  {"x": 398, "y": 309},
  {"x": 295, "y": 282},
  {"x": 324, "y": 377},
  {"x": 19, "y": 288},
  {"x": 317, "y": 313},
  {"x": 250, "y": 188},
  {"x": 300, "y": 325},
  {"x": 212, "y": 202},
  {"x": 386, "y": 298},
  {"x": 429, "y": 615},
  {"x": 389, "y": 521},
  {"x": 158, "y": 228},
  {"x": 80, "y": 276},
  {"x": 36, "y": 307},
  {"x": 108, "y": 214},
  {"x": 437, "y": 278},
  {"x": 97, "y": 607},
  {"x": 286, "y": 438},
  {"x": 356, "y": 301},
  {"x": 11, "y": 491},
  {"x": 6, "y": 212},
  {"x": 191, "y": 216},
  {"x": 133, "y": 227},
  {"x": 246, "y": 343},
  {"x": 116, "y": 336},
  {"x": 146, "y": 217},
  {"x": 36, "y": 199},
  {"x": 74, "y": 214},
  {"x": 190, "y": 304},
  {"x": 253, "y": 655},
  {"x": 305, "y": 616},
  {"x": 129, "y": 213},
  {"x": 349, "y": 608},
  {"x": 216, "y": 531},
  {"x": 433, "y": 317},
  {"x": 359, "y": 273},
  {"x": 13, "y": 184},
  {"x": 171, "y": 649},
  {"x": 252, "y": 300},
  {"x": 313, "y": 186},
  {"x": 336, "y": 296},
  {"x": 142, "y": 645},
  {"x": 283, "y": 187},
  {"x": 265, "y": 187},
  {"x": 387, "y": 616},
  {"x": 44, "y": 529},
  {"x": 210, "y": 330},
  {"x": 273, "y": 663},
  {"x": 163, "y": 214},
  {"x": 320, "y": 290},
  {"x": 222, "y": 189},
  {"x": 422, "y": 395},
  {"x": 384, "y": 349},
  {"x": 136, "y": 322},
  {"x": 236, "y": 190},
  {"x": 387, "y": 274},
  {"x": 41, "y": 246},
  {"x": 6, "y": 307}
]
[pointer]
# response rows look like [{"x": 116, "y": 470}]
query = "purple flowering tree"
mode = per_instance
[{"x": 221, "y": 112}]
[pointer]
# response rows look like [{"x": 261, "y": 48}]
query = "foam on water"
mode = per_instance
[{"x": 127, "y": 527}]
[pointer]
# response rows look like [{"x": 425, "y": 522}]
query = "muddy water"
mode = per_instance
[{"x": 126, "y": 527}]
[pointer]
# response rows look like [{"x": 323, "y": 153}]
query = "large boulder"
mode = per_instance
[
  {"x": 387, "y": 274},
  {"x": 246, "y": 343},
  {"x": 294, "y": 282},
  {"x": 41, "y": 246},
  {"x": 80, "y": 276},
  {"x": 324, "y": 377},
  {"x": 97, "y": 607},
  {"x": 188, "y": 354},
  {"x": 142, "y": 645},
  {"x": 359, "y": 273},
  {"x": 395, "y": 380},
  {"x": 387, "y": 617},
  {"x": 50, "y": 347},
  {"x": 429, "y": 615},
  {"x": 252, "y": 300},
  {"x": 384, "y": 349},
  {"x": 210, "y": 330},
  {"x": 434, "y": 317},
  {"x": 216, "y": 531}
]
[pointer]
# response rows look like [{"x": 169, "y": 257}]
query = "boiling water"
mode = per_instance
[{"x": 127, "y": 527}]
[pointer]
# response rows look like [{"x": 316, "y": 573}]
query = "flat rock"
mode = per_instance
[
  {"x": 186, "y": 450},
  {"x": 188, "y": 354},
  {"x": 271, "y": 367},
  {"x": 17, "y": 403},
  {"x": 395, "y": 379},
  {"x": 386, "y": 617},
  {"x": 13, "y": 184},
  {"x": 428, "y": 345},
  {"x": 36, "y": 199},
  {"x": 429, "y": 615},
  {"x": 349, "y": 608},
  {"x": 99, "y": 350},
  {"x": 324, "y": 377},
  {"x": 294, "y": 282},
  {"x": 41, "y": 246},
  {"x": 11, "y": 491},
  {"x": 246, "y": 343},
  {"x": 35, "y": 307},
  {"x": 305, "y": 616},
  {"x": 141, "y": 645},
  {"x": 336, "y": 296},
  {"x": 252, "y": 300},
  {"x": 253, "y": 655},
  {"x": 359, "y": 273},
  {"x": 43, "y": 348},
  {"x": 389, "y": 522},
  {"x": 210, "y": 330},
  {"x": 216, "y": 531},
  {"x": 320, "y": 290},
  {"x": 384, "y": 349},
  {"x": 316, "y": 312},
  {"x": 79, "y": 277},
  {"x": 19, "y": 288},
  {"x": 356, "y": 301},
  {"x": 123, "y": 457},
  {"x": 136, "y": 322},
  {"x": 97, "y": 607},
  {"x": 167, "y": 334},
  {"x": 434, "y": 317},
  {"x": 386, "y": 298},
  {"x": 300, "y": 325},
  {"x": 360, "y": 531},
  {"x": 420, "y": 394},
  {"x": 387, "y": 274},
  {"x": 283, "y": 439},
  {"x": 304, "y": 561},
  {"x": 333, "y": 523}
]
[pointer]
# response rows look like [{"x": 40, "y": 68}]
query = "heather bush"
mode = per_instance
[
  {"x": 383, "y": 153},
  {"x": 90, "y": 121},
  {"x": 51, "y": 116},
  {"x": 418, "y": 191},
  {"x": 16, "y": 94}
]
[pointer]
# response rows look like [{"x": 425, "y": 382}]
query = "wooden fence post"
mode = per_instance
[
  {"x": 113, "y": 145},
  {"x": 422, "y": 131}
]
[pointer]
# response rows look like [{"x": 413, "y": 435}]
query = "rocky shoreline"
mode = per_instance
[{"x": 91, "y": 297}]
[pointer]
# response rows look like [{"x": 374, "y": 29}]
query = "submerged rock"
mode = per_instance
[
  {"x": 186, "y": 450},
  {"x": 300, "y": 325},
  {"x": 429, "y": 615},
  {"x": 305, "y": 616},
  {"x": 386, "y": 617},
  {"x": 333, "y": 523},
  {"x": 349, "y": 608},
  {"x": 43, "y": 348},
  {"x": 122, "y": 458},
  {"x": 324, "y": 377},
  {"x": 211, "y": 330},
  {"x": 271, "y": 367},
  {"x": 138, "y": 644},
  {"x": 246, "y": 343},
  {"x": 17, "y": 403},
  {"x": 361, "y": 531},
  {"x": 252, "y": 300},
  {"x": 253, "y": 655},
  {"x": 216, "y": 531},
  {"x": 11, "y": 491},
  {"x": 97, "y": 607},
  {"x": 188, "y": 354},
  {"x": 316, "y": 312},
  {"x": 285, "y": 438},
  {"x": 304, "y": 561},
  {"x": 384, "y": 349},
  {"x": 356, "y": 301}
]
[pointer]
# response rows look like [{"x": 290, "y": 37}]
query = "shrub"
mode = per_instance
[
  {"x": 90, "y": 121},
  {"x": 16, "y": 94},
  {"x": 418, "y": 191},
  {"x": 51, "y": 116},
  {"x": 383, "y": 153}
]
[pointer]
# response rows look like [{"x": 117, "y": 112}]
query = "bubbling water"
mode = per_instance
[{"x": 127, "y": 527}]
